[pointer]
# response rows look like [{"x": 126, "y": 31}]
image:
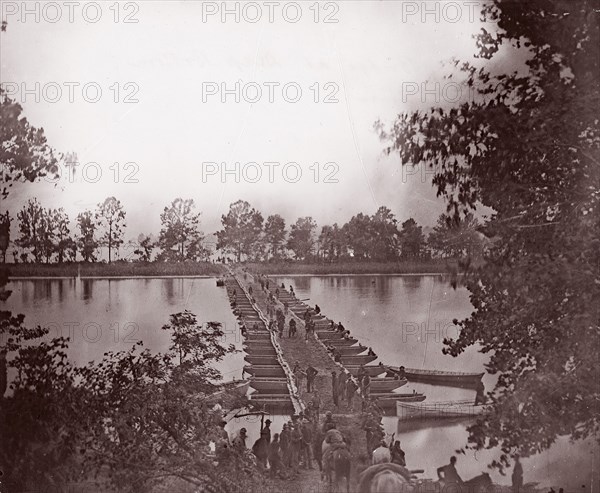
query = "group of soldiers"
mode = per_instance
[
  {"x": 343, "y": 387},
  {"x": 298, "y": 445}
]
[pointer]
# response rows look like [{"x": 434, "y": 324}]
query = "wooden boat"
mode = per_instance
[
  {"x": 261, "y": 360},
  {"x": 388, "y": 400},
  {"x": 372, "y": 370},
  {"x": 264, "y": 371},
  {"x": 341, "y": 342},
  {"x": 438, "y": 410},
  {"x": 236, "y": 388},
  {"x": 258, "y": 335},
  {"x": 387, "y": 384},
  {"x": 270, "y": 385},
  {"x": 351, "y": 350},
  {"x": 220, "y": 283},
  {"x": 326, "y": 335},
  {"x": 258, "y": 344},
  {"x": 439, "y": 377},
  {"x": 264, "y": 351},
  {"x": 271, "y": 402},
  {"x": 358, "y": 360}
]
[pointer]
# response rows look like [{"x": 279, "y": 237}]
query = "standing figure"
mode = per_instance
[
  {"x": 448, "y": 474},
  {"x": 334, "y": 389},
  {"x": 342, "y": 385},
  {"x": 311, "y": 373},
  {"x": 316, "y": 404},
  {"x": 517, "y": 476},
  {"x": 351, "y": 389},
  {"x": 275, "y": 455}
]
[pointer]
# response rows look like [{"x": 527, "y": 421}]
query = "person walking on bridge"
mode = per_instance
[
  {"x": 311, "y": 373},
  {"x": 334, "y": 388},
  {"x": 342, "y": 385},
  {"x": 351, "y": 389}
]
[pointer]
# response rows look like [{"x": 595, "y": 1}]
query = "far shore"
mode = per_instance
[
  {"x": 406, "y": 267},
  {"x": 142, "y": 270}
]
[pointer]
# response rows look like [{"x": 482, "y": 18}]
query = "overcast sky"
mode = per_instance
[{"x": 368, "y": 57}]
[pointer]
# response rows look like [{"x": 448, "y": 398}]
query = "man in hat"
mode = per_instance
[
  {"x": 266, "y": 431},
  {"x": 328, "y": 421},
  {"x": 311, "y": 373}
]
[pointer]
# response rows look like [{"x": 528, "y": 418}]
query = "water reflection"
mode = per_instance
[{"x": 87, "y": 286}]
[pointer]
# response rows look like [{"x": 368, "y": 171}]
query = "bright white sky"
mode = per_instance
[{"x": 170, "y": 132}]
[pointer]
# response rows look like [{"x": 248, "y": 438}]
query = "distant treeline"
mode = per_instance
[{"x": 46, "y": 236}]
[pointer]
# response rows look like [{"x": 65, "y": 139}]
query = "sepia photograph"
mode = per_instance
[{"x": 310, "y": 246}]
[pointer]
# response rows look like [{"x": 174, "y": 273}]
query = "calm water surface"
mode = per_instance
[{"x": 403, "y": 318}]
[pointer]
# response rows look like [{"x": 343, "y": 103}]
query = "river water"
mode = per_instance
[{"x": 403, "y": 318}]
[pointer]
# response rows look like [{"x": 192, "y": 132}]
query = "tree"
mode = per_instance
[
  {"x": 331, "y": 242},
  {"x": 24, "y": 154},
  {"x": 274, "y": 235},
  {"x": 180, "y": 237},
  {"x": 144, "y": 248},
  {"x": 33, "y": 227},
  {"x": 385, "y": 239},
  {"x": 111, "y": 216},
  {"x": 144, "y": 419},
  {"x": 528, "y": 148},
  {"x": 242, "y": 228},
  {"x": 412, "y": 241},
  {"x": 358, "y": 236},
  {"x": 301, "y": 240},
  {"x": 65, "y": 246},
  {"x": 86, "y": 241},
  {"x": 456, "y": 237}
]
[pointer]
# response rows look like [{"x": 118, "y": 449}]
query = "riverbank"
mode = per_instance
[
  {"x": 114, "y": 270},
  {"x": 434, "y": 266}
]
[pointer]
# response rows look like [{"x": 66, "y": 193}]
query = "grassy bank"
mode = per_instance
[
  {"x": 416, "y": 267},
  {"x": 117, "y": 269}
]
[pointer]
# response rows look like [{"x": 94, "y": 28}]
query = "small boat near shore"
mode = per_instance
[
  {"x": 388, "y": 400},
  {"x": 439, "y": 377},
  {"x": 351, "y": 350},
  {"x": 358, "y": 360},
  {"x": 438, "y": 410},
  {"x": 372, "y": 370},
  {"x": 386, "y": 384}
]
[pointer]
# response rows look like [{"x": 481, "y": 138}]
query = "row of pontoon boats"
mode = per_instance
[
  {"x": 271, "y": 385},
  {"x": 267, "y": 396}
]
